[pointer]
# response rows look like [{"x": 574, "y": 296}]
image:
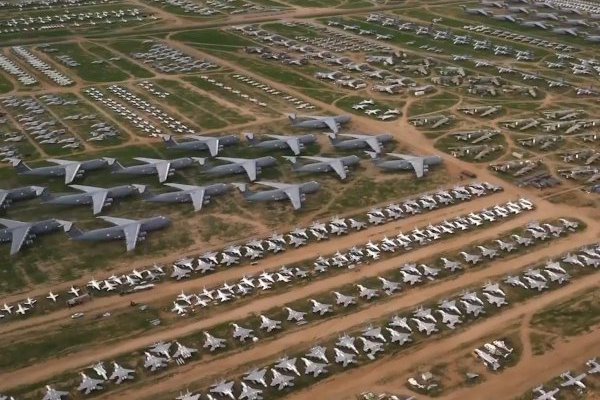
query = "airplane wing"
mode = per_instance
[
  {"x": 132, "y": 232},
  {"x": 418, "y": 163},
  {"x": 213, "y": 146},
  {"x": 59, "y": 162},
  {"x": 83, "y": 188},
  {"x": 98, "y": 200},
  {"x": 3, "y": 196},
  {"x": 118, "y": 221},
  {"x": 338, "y": 167},
  {"x": 294, "y": 145},
  {"x": 197, "y": 198},
  {"x": 293, "y": 193},
  {"x": 19, "y": 234},
  {"x": 331, "y": 124},
  {"x": 374, "y": 144},
  {"x": 71, "y": 171},
  {"x": 250, "y": 168},
  {"x": 162, "y": 169}
]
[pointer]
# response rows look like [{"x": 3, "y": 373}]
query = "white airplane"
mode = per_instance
[
  {"x": 224, "y": 389},
  {"x": 121, "y": 374},
  {"x": 88, "y": 384},
  {"x": 570, "y": 380},
  {"x": 281, "y": 381},
  {"x": 545, "y": 395},
  {"x": 269, "y": 324},
  {"x": 52, "y": 394},
  {"x": 321, "y": 308},
  {"x": 213, "y": 343},
  {"x": 52, "y": 296}
]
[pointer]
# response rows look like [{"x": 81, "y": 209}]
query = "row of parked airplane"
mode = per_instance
[
  {"x": 256, "y": 249},
  {"x": 568, "y": 381},
  {"x": 411, "y": 274},
  {"x": 349, "y": 350}
]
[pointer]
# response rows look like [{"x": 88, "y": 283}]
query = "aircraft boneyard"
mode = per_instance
[{"x": 248, "y": 200}]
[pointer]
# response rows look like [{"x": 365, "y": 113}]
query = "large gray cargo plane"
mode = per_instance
[
  {"x": 325, "y": 164},
  {"x": 197, "y": 195},
  {"x": 280, "y": 142},
  {"x": 319, "y": 122},
  {"x": 67, "y": 168},
  {"x": 200, "y": 143},
  {"x": 129, "y": 229},
  {"x": 249, "y": 166},
  {"x": 20, "y": 233},
  {"x": 160, "y": 167},
  {"x": 96, "y": 196},
  {"x": 8, "y": 196},
  {"x": 281, "y": 191},
  {"x": 420, "y": 164},
  {"x": 358, "y": 141}
]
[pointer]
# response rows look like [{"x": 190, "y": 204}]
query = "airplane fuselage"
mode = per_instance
[
  {"x": 280, "y": 144},
  {"x": 233, "y": 168},
  {"x": 116, "y": 232},
  {"x": 325, "y": 166},
  {"x": 38, "y": 228},
  {"x": 183, "y": 196},
  {"x": 116, "y": 192},
  {"x": 320, "y": 124},
  {"x": 59, "y": 170},
  {"x": 353, "y": 144},
  {"x": 150, "y": 169},
  {"x": 279, "y": 194},
  {"x": 199, "y": 145},
  {"x": 401, "y": 165}
]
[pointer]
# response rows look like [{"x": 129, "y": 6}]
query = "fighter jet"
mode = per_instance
[
  {"x": 241, "y": 333},
  {"x": 224, "y": 389},
  {"x": 319, "y": 122},
  {"x": 279, "y": 142},
  {"x": 451, "y": 264},
  {"x": 320, "y": 308},
  {"x": 318, "y": 352},
  {"x": 256, "y": 376},
  {"x": 250, "y": 393},
  {"x": 281, "y": 381},
  {"x": 389, "y": 287},
  {"x": 69, "y": 169},
  {"x": 199, "y": 143},
  {"x": 357, "y": 141},
  {"x": 188, "y": 396},
  {"x": 130, "y": 230},
  {"x": 314, "y": 368},
  {"x": 121, "y": 374},
  {"x": 53, "y": 394},
  {"x": 269, "y": 324},
  {"x": 282, "y": 191},
  {"x": 471, "y": 258},
  {"x": 9, "y": 196},
  {"x": 213, "y": 343},
  {"x": 339, "y": 165},
  {"x": 344, "y": 358},
  {"x": 96, "y": 196},
  {"x": 154, "y": 166},
  {"x": 88, "y": 384},
  {"x": 367, "y": 293},
  {"x": 427, "y": 327},
  {"x": 197, "y": 195},
  {"x": 403, "y": 162},
  {"x": 344, "y": 300},
  {"x": 296, "y": 316},
  {"x": 399, "y": 337},
  {"x": 21, "y": 233}
]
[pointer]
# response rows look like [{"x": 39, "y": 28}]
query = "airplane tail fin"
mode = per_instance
[
  {"x": 46, "y": 196},
  {"x": 19, "y": 165},
  {"x": 243, "y": 188},
  {"x": 117, "y": 166},
  {"x": 250, "y": 138},
  {"x": 374, "y": 156},
  {"x": 293, "y": 160},
  {"x": 168, "y": 141},
  {"x": 74, "y": 232},
  {"x": 292, "y": 117}
]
